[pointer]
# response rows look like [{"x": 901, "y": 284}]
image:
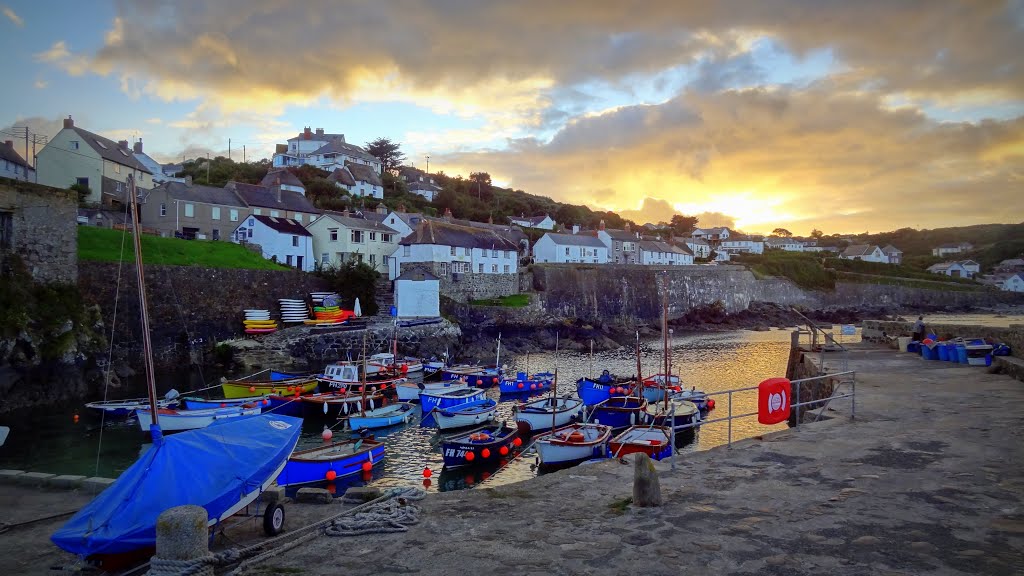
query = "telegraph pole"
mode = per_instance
[
  {"x": 243, "y": 153},
  {"x": 229, "y": 148},
  {"x": 428, "y": 164}
]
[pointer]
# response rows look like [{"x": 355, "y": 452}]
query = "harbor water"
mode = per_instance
[{"x": 51, "y": 440}]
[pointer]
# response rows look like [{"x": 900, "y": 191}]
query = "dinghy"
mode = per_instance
[
  {"x": 704, "y": 404},
  {"x": 480, "y": 446},
  {"x": 385, "y": 363},
  {"x": 344, "y": 376},
  {"x": 268, "y": 382},
  {"x": 382, "y": 417},
  {"x": 178, "y": 420},
  {"x": 573, "y": 443},
  {"x": 195, "y": 403},
  {"x": 463, "y": 415},
  {"x": 655, "y": 387},
  {"x": 335, "y": 460},
  {"x": 685, "y": 416},
  {"x": 120, "y": 409},
  {"x": 651, "y": 440},
  {"x": 335, "y": 403},
  {"x": 410, "y": 391},
  {"x": 545, "y": 413},
  {"x": 620, "y": 412},
  {"x": 597, "y": 390},
  {"x": 448, "y": 398}
]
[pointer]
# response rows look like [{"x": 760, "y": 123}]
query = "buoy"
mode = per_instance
[
  {"x": 327, "y": 434},
  {"x": 367, "y": 466},
  {"x": 470, "y": 479},
  {"x": 331, "y": 475},
  {"x": 520, "y": 385},
  {"x": 533, "y": 386},
  {"x": 470, "y": 456},
  {"x": 485, "y": 475},
  {"x": 290, "y": 388},
  {"x": 266, "y": 402},
  {"x": 427, "y": 472},
  {"x": 503, "y": 451},
  {"x": 75, "y": 418},
  {"x": 495, "y": 380},
  {"x": 405, "y": 368},
  {"x": 325, "y": 407},
  {"x": 711, "y": 403},
  {"x": 517, "y": 442},
  {"x": 486, "y": 453}
]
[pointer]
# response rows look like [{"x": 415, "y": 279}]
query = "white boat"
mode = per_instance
[
  {"x": 410, "y": 391},
  {"x": 4, "y": 431},
  {"x": 655, "y": 441},
  {"x": 464, "y": 415},
  {"x": 382, "y": 417},
  {"x": 536, "y": 416},
  {"x": 384, "y": 363},
  {"x": 177, "y": 420},
  {"x": 573, "y": 443}
]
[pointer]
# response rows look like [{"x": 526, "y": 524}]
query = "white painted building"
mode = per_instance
[
  {"x": 403, "y": 222},
  {"x": 953, "y": 269},
  {"x": 570, "y": 248},
  {"x": 699, "y": 247},
  {"x": 741, "y": 246},
  {"x": 712, "y": 234},
  {"x": 971, "y": 266},
  {"x": 894, "y": 254},
  {"x": 1015, "y": 283},
  {"x": 12, "y": 165},
  {"x": 865, "y": 252},
  {"x": 339, "y": 237},
  {"x": 418, "y": 295},
  {"x": 323, "y": 150},
  {"x": 452, "y": 249},
  {"x": 540, "y": 222},
  {"x": 285, "y": 179},
  {"x": 282, "y": 239},
  {"x": 622, "y": 244},
  {"x": 654, "y": 253},
  {"x": 782, "y": 243},
  {"x": 953, "y": 248}
]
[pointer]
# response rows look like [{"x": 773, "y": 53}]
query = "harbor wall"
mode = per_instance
[
  {"x": 465, "y": 286},
  {"x": 1013, "y": 335},
  {"x": 40, "y": 228}
]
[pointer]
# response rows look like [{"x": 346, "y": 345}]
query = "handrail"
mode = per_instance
[{"x": 814, "y": 329}]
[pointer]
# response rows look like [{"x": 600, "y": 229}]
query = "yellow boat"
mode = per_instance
[{"x": 269, "y": 382}]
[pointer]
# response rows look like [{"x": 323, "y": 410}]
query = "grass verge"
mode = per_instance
[{"x": 104, "y": 245}]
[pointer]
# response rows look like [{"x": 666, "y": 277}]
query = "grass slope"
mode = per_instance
[{"x": 104, "y": 245}]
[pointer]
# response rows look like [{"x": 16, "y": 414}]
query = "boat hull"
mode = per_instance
[
  {"x": 178, "y": 420},
  {"x": 121, "y": 409},
  {"x": 301, "y": 470},
  {"x": 455, "y": 449},
  {"x": 339, "y": 404},
  {"x": 523, "y": 385},
  {"x": 291, "y": 384},
  {"x": 620, "y": 412},
  {"x": 473, "y": 375},
  {"x": 410, "y": 391},
  {"x": 536, "y": 416},
  {"x": 383, "y": 417},
  {"x": 448, "y": 399},
  {"x": 555, "y": 449},
  {"x": 653, "y": 441},
  {"x": 465, "y": 415},
  {"x": 594, "y": 392},
  {"x": 206, "y": 404}
]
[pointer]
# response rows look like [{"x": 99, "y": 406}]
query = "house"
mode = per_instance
[
  {"x": 720, "y": 256},
  {"x": 621, "y": 244},
  {"x": 540, "y": 222},
  {"x": 511, "y": 233},
  {"x": 403, "y": 222},
  {"x": 894, "y": 254},
  {"x": 286, "y": 179},
  {"x": 971, "y": 266},
  {"x": 419, "y": 182},
  {"x": 1011, "y": 265},
  {"x": 274, "y": 201},
  {"x": 782, "y": 243},
  {"x": 339, "y": 237},
  {"x": 699, "y": 247},
  {"x": 570, "y": 248},
  {"x": 368, "y": 182},
  {"x": 103, "y": 218},
  {"x": 711, "y": 234},
  {"x": 192, "y": 211},
  {"x": 954, "y": 269},
  {"x": 955, "y": 248},
  {"x": 1013, "y": 283},
  {"x": 865, "y": 252},
  {"x": 159, "y": 171},
  {"x": 77, "y": 156},
  {"x": 454, "y": 253},
  {"x": 281, "y": 239},
  {"x": 428, "y": 191},
  {"x": 654, "y": 253},
  {"x": 739, "y": 245},
  {"x": 13, "y": 166},
  {"x": 417, "y": 295},
  {"x": 323, "y": 150}
]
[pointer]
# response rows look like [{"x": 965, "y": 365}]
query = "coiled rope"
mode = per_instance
[
  {"x": 197, "y": 567},
  {"x": 396, "y": 514}
]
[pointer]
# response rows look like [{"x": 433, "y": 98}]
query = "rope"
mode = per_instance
[
  {"x": 196, "y": 567},
  {"x": 394, "y": 515},
  {"x": 110, "y": 349}
]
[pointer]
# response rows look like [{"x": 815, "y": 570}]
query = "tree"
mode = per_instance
[
  {"x": 482, "y": 181},
  {"x": 389, "y": 153},
  {"x": 782, "y": 232},
  {"x": 683, "y": 225},
  {"x": 354, "y": 280},
  {"x": 817, "y": 234},
  {"x": 82, "y": 190}
]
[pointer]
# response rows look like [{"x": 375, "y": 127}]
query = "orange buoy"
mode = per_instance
[
  {"x": 470, "y": 456},
  {"x": 520, "y": 385},
  {"x": 367, "y": 466},
  {"x": 223, "y": 405},
  {"x": 426, "y": 483},
  {"x": 495, "y": 380},
  {"x": 331, "y": 475},
  {"x": 517, "y": 442},
  {"x": 486, "y": 453},
  {"x": 75, "y": 418},
  {"x": 327, "y": 434},
  {"x": 427, "y": 472},
  {"x": 503, "y": 451},
  {"x": 252, "y": 388}
]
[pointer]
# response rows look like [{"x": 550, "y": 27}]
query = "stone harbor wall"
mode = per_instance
[
  {"x": 463, "y": 287},
  {"x": 40, "y": 227}
]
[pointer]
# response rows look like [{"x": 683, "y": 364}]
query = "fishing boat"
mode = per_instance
[
  {"x": 596, "y": 390},
  {"x": 655, "y": 441},
  {"x": 470, "y": 374},
  {"x": 547, "y": 413},
  {"x": 268, "y": 382},
  {"x": 620, "y": 412},
  {"x": 335, "y": 460},
  {"x": 523, "y": 384},
  {"x": 193, "y": 467},
  {"x": 385, "y": 363},
  {"x": 335, "y": 403},
  {"x": 701, "y": 399},
  {"x": 685, "y": 416},
  {"x": 196, "y": 403},
  {"x": 448, "y": 398},
  {"x": 480, "y": 446},
  {"x": 410, "y": 391},
  {"x": 432, "y": 369},
  {"x": 178, "y": 420},
  {"x": 463, "y": 415},
  {"x": 573, "y": 443},
  {"x": 344, "y": 376},
  {"x": 121, "y": 409},
  {"x": 658, "y": 386},
  {"x": 390, "y": 415}
]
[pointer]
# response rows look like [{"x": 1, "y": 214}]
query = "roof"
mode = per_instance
[
  {"x": 109, "y": 150},
  {"x": 287, "y": 179},
  {"x": 890, "y": 249},
  {"x": 512, "y": 233},
  {"x": 417, "y": 275},
  {"x": 717, "y": 230},
  {"x": 365, "y": 173},
  {"x": 621, "y": 235},
  {"x": 533, "y": 220},
  {"x": 859, "y": 250},
  {"x": 341, "y": 176},
  {"x": 955, "y": 245},
  {"x": 575, "y": 240},
  {"x": 340, "y": 147},
  {"x": 656, "y": 246},
  {"x": 11, "y": 155},
  {"x": 445, "y": 234},
  {"x": 171, "y": 169},
  {"x": 264, "y": 197},
  {"x": 779, "y": 241},
  {"x": 697, "y": 241},
  {"x": 283, "y": 225},
  {"x": 417, "y": 185},
  {"x": 943, "y": 266},
  {"x": 1012, "y": 262},
  {"x": 359, "y": 223},
  {"x": 315, "y": 136},
  {"x": 967, "y": 263},
  {"x": 201, "y": 194}
]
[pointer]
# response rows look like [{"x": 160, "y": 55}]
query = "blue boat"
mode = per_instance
[
  {"x": 597, "y": 390},
  {"x": 478, "y": 376},
  {"x": 222, "y": 468},
  {"x": 448, "y": 398},
  {"x": 121, "y": 409},
  {"x": 194, "y": 403},
  {"x": 391, "y": 415},
  {"x": 480, "y": 446},
  {"x": 620, "y": 412},
  {"x": 289, "y": 405},
  {"x": 343, "y": 458},
  {"x": 469, "y": 414},
  {"x": 522, "y": 384}
]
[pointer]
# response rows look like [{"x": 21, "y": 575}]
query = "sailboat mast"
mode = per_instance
[
  {"x": 639, "y": 376},
  {"x": 497, "y": 358},
  {"x": 554, "y": 389},
  {"x": 664, "y": 332},
  {"x": 147, "y": 344},
  {"x": 362, "y": 400}
]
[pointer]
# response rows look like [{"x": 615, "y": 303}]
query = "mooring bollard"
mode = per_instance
[
  {"x": 182, "y": 545},
  {"x": 646, "y": 487}
]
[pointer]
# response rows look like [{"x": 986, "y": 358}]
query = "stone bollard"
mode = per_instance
[
  {"x": 182, "y": 540},
  {"x": 646, "y": 488}
]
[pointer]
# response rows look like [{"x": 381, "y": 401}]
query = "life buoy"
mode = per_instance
[
  {"x": 575, "y": 437},
  {"x": 479, "y": 437}
]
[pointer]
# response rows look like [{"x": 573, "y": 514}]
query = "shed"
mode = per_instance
[{"x": 418, "y": 295}]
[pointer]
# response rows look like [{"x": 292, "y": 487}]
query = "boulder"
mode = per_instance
[{"x": 646, "y": 487}]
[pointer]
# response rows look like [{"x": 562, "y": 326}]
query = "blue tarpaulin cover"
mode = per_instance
[{"x": 213, "y": 467}]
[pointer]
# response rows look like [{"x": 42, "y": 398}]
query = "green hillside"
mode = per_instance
[{"x": 105, "y": 245}]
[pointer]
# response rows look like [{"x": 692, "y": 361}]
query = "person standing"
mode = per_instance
[{"x": 919, "y": 329}]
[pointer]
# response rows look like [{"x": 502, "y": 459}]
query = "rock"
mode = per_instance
[
  {"x": 972, "y": 553},
  {"x": 777, "y": 560},
  {"x": 866, "y": 541},
  {"x": 314, "y": 496},
  {"x": 181, "y": 534},
  {"x": 646, "y": 487},
  {"x": 921, "y": 546},
  {"x": 273, "y": 494},
  {"x": 362, "y": 493},
  {"x": 712, "y": 546},
  {"x": 124, "y": 371},
  {"x": 816, "y": 538}
]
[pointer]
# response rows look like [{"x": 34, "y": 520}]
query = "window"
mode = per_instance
[
  {"x": 506, "y": 268},
  {"x": 357, "y": 236},
  {"x": 298, "y": 217},
  {"x": 74, "y": 144},
  {"x": 334, "y": 234},
  {"x": 494, "y": 268},
  {"x": 288, "y": 259},
  {"x": 567, "y": 251},
  {"x": 6, "y": 230},
  {"x": 480, "y": 268},
  {"x": 385, "y": 237},
  {"x": 453, "y": 250},
  {"x": 275, "y": 214},
  {"x": 252, "y": 222},
  {"x": 373, "y": 236},
  {"x": 216, "y": 234},
  {"x": 460, "y": 267},
  {"x": 190, "y": 210},
  {"x": 385, "y": 259},
  {"x": 82, "y": 181},
  {"x": 250, "y": 233},
  {"x": 444, "y": 268},
  {"x": 234, "y": 215},
  {"x": 325, "y": 258},
  {"x": 215, "y": 212},
  {"x": 163, "y": 209},
  {"x": 373, "y": 259},
  {"x": 295, "y": 241},
  {"x": 257, "y": 211},
  {"x": 117, "y": 168},
  {"x": 406, "y": 251}
]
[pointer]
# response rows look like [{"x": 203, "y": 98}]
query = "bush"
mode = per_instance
[
  {"x": 805, "y": 270},
  {"x": 353, "y": 280}
]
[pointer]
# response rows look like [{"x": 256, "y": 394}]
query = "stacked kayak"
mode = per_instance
[
  {"x": 259, "y": 322},
  {"x": 293, "y": 311}
]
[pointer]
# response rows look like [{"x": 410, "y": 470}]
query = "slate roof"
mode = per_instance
[
  {"x": 890, "y": 249},
  {"x": 202, "y": 194},
  {"x": 283, "y": 225},
  {"x": 417, "y": 185},
  {"x": 942, "y": 266},
  {"x": 512, "y": 233},
  {"x": 263, "y": 197},
  {"x": 1012, "y": 262},
  {"x": 11, "y": 155},
  {"x": 109, "y": 150},
  {"x": 859, "y": 250},
  {"x": 341, "y": 176},
  {"x": 358, "y": 223},
  {"x": 533, "y": 220},
  {"x": 416, "y": 274},
  {"x": 655, "y": 246},
  {"x": 320, "y": 137},
  {"x": 621, "y": 235},
  {"x": 287, "y": 179},
  {"x": 444, "y": 234},
  {"x": 697, "y": 241},
  {"x": 339, "y": 147},
  {"x": 575, "y": 240},
  {"x": 365, "y": 173}
]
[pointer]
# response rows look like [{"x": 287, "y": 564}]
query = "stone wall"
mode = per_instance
[
  {"x": 463, "y": 287},
  {"x": 44, "y": 229},
  {"x": 1014, "y": 335}
]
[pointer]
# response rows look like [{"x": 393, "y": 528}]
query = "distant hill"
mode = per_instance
[{"x": 992, "y": 243}]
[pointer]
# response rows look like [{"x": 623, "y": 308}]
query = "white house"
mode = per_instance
[
  {"x": 285, "y": 179},
  {"x": 653, "y": 253},
  {"x": 699, "y": 247},
  {"x": 721, "y": 256},
  {"x": 570, "y": 248},
  {"x": 448, "y": 249},
  {"x": 954, "y": 248},
  {"x": 865, "y": 252},
  {"x": 954, "y": 269},
  {"x": 418, "y": 294},
  {"x": 403, "y": 222},
  {"x": 782, "y": 243},
  {"x": 894, "y": 254},
  {"x": 419, "y": 182},
  {"x": 741, "y": 246},
  {"x": 971, "y": 266},
  {"x": 338, "y": 237},
  {"x": 712, "y": 234},
  {"x": 540, "y": 222},
  {"x": 325, "y": 151},
  {"x": 1015, "y": 283},
  {"x": 282, "y": 239},
  {"x": 12, "y": 165}
]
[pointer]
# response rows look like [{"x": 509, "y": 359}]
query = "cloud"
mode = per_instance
[
  {"x": 12, "y": 16},
  {"x": 60, "y": 56},
  {"x": 154, "y": 121},
  {"x": 40, "y": 84},
  {"x": 651, "y": 210}
]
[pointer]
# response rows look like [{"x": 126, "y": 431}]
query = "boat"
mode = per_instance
[
  {"x": 547, "y": 413},
  {"x": 573, "y": 443},
  {"x": 656, "y": 389},
  {"x": 596, "y": 390},
  {"x": 655, "y": 441},
  {"x": 523, "y": 384},
  {"x": 701, "y": 399},
  {"x": 343, "y": 458},
  {"x": 268, "y": 382},
  {"x": 4, "y": 432},
  {"x": 385, "y": 363},
  {"x": 410, "y": 391},
  {"x": 463, "y": 415},
  {"x": 620, "y": 412},
  {"x": 121, "y": 409},
  {"x": 448, "y": 398},
  {"x": 222, "y": 468},
  {"x": 178, "y": 420},
  {"x": 344, "y": 376},
  {"x": 467, "y": 373},
  {"x": 196, "y": 403},
  {"x": 390, "y": 415},
  {"x": 432, "y": 368},
  {"x": 335, "y": 403},
  {"x": 480, "y": 446},
  {"x": 685, "y": 416}
]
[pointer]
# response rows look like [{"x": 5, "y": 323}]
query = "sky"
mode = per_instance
[{"x": 843, "y": 116}]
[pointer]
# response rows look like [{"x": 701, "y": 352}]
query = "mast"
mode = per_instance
[
  {"x": 497, "y": 359},
  {"x": 147, "y": 344},
  {"x": 664, "y": 332},
  {"x": 591, "y": 359},
  {"x": 554, "y": 389},
  {"x": 639, "y": 376},
  {"x": 362, "y": 401}
]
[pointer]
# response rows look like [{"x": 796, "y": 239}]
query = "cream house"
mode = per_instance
[{"x": 339, "y": 237}]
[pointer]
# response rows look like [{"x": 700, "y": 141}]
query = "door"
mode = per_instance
[{"x": 298, "y": 262}]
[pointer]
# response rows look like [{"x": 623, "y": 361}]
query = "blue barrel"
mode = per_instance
[
  {"x": 943, "y": 351},
  {"x": 961, "y": 354},
  {"x": 951, "y": 352},
  {"x": 914, "y": 347},
  {"x": 928, "y": 353}
]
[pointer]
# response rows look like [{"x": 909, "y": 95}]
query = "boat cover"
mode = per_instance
[{"x": 212, "y": 467}]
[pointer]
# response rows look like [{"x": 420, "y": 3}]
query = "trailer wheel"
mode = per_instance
[{"x": 273, "y": 520}]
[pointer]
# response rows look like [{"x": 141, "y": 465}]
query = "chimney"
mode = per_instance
[
  {"x": 575, "y": 228},
  {"x": 137, "y": 147},
  {"x": 600, "y": 225},
  {"x": 345, "y": 212},
  {"x": 447, "y": 213},
  {"x": 627, "y": 227},
  {"x": 122, "y": 144},
  {"x": 276, "y": 188},
  {"x": 68, "y": 122},
  {"x": 188, "y": 180},
  {"x": 306, "y": 133},
  {"x": 382, "y": 209},
  {"x": 490, "y": 219},
  {"x": 400, "y": 208},
  {"x": 319, "y": 131}
]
